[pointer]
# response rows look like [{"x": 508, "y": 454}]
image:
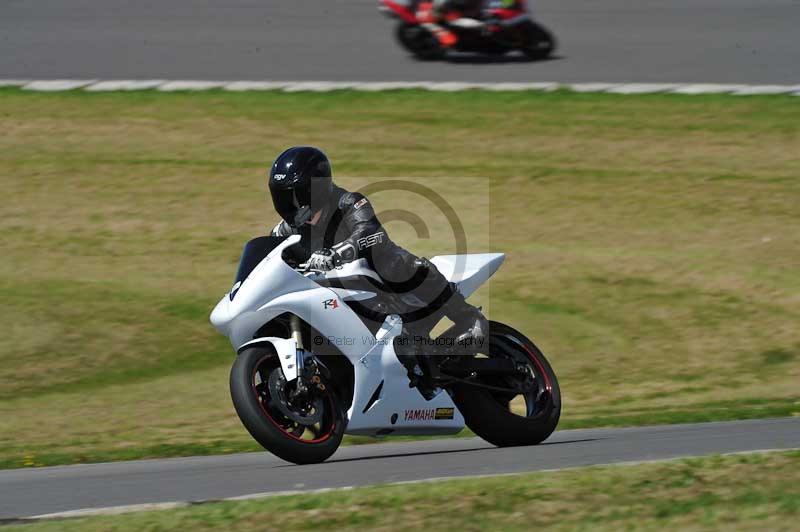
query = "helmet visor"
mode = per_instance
[
  {"x": 285, "y": 203},
  {"x": 293, "y": 205}
]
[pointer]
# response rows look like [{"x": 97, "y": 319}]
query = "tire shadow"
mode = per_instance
[
  {"x": 465, "y": 58},
  {"x": 432, "y": 453}
]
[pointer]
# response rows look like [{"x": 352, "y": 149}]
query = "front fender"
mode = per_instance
[{"x": 286, "y": 348}]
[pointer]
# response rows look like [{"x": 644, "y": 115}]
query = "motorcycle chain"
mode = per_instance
[{"x": 481, "y": 385}]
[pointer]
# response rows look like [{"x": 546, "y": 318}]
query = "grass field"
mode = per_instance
[
  {"x": 653, "y": 248},
  {"x": 743, "y": 492}
]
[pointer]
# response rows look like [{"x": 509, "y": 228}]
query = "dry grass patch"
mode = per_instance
[{"x": 652, "y": 242}]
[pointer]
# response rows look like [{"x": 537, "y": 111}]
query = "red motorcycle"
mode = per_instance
[{"x": 496, "y": 30}]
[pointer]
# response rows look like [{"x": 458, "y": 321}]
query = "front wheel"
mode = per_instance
[
  {"x": 419, "y": 41},
  {"x": 506, "y": 418},
  {"x": 303, "y": 428},
  {"x": 536, "y": 42}
]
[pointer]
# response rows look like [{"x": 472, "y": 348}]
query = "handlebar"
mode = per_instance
[{"x": 306, "y": 271}]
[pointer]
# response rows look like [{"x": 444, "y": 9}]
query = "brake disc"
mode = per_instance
[{"x": 309, "y": 413}]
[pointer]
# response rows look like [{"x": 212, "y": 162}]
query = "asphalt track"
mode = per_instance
[
  {"x": 714, "y": 41},
  {"x": 31, "y": 492}
]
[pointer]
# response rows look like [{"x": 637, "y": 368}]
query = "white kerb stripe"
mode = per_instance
[
  {"x": 379, "y": 86},
  {"x": 241, "y": 86},
  {"x": 590, "y": 87},
  {"x": 319, "y": 86},
  {"x": 57, "y": 84},
  {"x": 125, "y": 85},
  {"x": 707, "y": 88},
  {"x": 546, "y": 86},
  {"x": 642, "y": 88},
  {"x": 454, "y": 86},
  {"x": 14, "y": 82},
  {"x": 113, "y": 510},
  {"x": 752, "y": 90},
  {"x": 446, "y": 86},
  {"x": 190, "y": 85}
]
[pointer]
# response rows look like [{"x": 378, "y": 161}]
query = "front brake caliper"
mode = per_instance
[{"x": 310, "y": 372}]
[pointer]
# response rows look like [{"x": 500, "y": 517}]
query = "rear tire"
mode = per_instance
[
  {"x": 267, "y": 426},
  {"x": 488, "y": 414},
  {"x": 420, "y": 42}
]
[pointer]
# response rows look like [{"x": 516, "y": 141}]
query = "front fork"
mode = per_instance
[
  {"x": 297, "y": 331},
  {"x": 310, "y": 371}
]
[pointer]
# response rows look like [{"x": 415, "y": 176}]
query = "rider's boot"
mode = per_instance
[{"x": 470, "y": 328}]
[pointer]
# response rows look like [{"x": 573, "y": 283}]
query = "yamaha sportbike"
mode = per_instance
[
  {"x": 323, "y": 354},
  {"x": 498, "y": 30}
]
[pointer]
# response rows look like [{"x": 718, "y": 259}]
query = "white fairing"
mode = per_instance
[
  {"x": 383, "y": 403},
  {"x": 398, "y": 408},
  {"x": 353, "y": 269}
]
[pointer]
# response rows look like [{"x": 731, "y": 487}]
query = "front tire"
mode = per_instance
[
  {"x": 537, "y": 42},
  {"x": 256, "y": 391},
  {"x": 489, "y": 414},
  {"x": 420, "y": 42}
]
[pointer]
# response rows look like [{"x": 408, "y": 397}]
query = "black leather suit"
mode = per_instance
[{"x": 350, "y": 227}]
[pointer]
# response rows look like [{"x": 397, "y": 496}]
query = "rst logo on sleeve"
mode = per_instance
[
  {"x": 371, "y": 240},
  {"x": 360, "y": 203}
]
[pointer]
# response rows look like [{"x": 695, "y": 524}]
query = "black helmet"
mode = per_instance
[{"x": 300, "y": 183}]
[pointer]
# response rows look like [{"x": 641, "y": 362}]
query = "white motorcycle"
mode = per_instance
[{"x": 323, "y": 354}]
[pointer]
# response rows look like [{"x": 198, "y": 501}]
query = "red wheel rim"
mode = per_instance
[
  {"x": 284, "y": 430},
  {"x": 539, "y": 372}
]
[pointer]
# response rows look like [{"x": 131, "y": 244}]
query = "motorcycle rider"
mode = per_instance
[
  {"x": 338, "y": 226},
  {"x": 464, "y": 7},
  {"x": 447, "y": 10}
]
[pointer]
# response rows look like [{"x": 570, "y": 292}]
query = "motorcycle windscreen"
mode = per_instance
[{"x": 254, "y": 252}]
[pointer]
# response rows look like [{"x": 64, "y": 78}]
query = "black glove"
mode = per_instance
[{"x": 324, "y": 259}]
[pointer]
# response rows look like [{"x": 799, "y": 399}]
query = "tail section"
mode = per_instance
[{"x": 470, "y": 271}]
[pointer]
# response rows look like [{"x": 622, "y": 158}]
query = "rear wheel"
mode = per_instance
[
  {"x": 508, "y": 418},
  {"x": 420, "y": 42},
  {"x": 303, "y": 428}
]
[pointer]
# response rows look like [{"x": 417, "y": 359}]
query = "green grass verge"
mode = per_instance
[
  {"x": 742, "y": 492},
  {"x": 652, "y": 244}
]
